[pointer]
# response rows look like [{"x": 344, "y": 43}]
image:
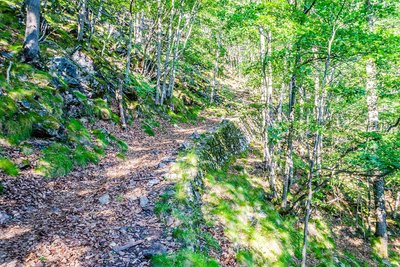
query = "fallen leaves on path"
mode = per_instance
[{"x": 98, "y": 216}]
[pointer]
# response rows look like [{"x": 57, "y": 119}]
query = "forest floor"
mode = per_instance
[{"x": 101, "y": 215}]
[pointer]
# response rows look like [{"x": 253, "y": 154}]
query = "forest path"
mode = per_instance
[{"x": 62, "y": 222}]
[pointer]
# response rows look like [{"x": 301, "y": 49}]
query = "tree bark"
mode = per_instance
[
  {"x": 119, "y": 97},
  {"x": 168, "y": 52},
  {"x": 95, "y": 19},
  {"x": 81, "y": 19},
  {"x": 373, "y": 126},
  {"x": 396, "y": 205},
  {"x": 216, "y": 69},
  {"x": 31, "y": 51},
  {"x": 128, "y": 56},
  {"x": 267, "y": 89},
  {"x": 159, "y": 29},
  {"x": 317, "y": 144},
  {"x": 288, "y": 175}
]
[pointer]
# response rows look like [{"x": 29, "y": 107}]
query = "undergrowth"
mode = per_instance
[{"x": 230, "y": 195}]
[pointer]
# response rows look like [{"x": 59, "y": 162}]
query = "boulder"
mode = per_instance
[
  {"x": 85, "y": 63},
  {"x": 66, "y": 69},
  {"x": 154, "y": 249}
]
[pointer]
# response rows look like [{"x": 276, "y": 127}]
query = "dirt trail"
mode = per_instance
[{"x": 62, "y": 222}]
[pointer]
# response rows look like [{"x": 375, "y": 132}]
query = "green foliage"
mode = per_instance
[
  {"x": 8, "y": 167},
  {"x": 57, "y": 161},
  {"x": 184, "y": 258},
  {"x": 83, "y": 156}
]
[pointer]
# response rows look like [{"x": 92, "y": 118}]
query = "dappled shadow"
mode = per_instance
[
  {"x": 61, "y": 221},
  {"x": 249, "y": 221}
]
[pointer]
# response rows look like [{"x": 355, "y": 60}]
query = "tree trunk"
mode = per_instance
[
  {"x": 31, "y": 42},
  {"x": 288, "y": 175},
  {"x": 168, "y": 52},
  {"x": 396, "y": 206},
  {"x": 159, "y": 29},
  {"x": 95, "y": 19},
  {"x": 110, "y": 31},
  {"x": 81, "y": 19},
  {"x": 317, "y": 144},
  {"x": 216, "y": 69},
  {"x": 119, "y": 97},
  {"x": 373, "y": 126},
  {"x": 128, "y": 56},
  {"x": 267, "y": 88},
  {"x": 177, "y": 38}
]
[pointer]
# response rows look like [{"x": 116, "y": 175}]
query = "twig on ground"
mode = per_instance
[{"x": 128, "y": 245}]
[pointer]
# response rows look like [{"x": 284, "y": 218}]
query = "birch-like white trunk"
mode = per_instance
[
  {"x": 373, "y": 126},
  {"x": 81, "y": 19},
  {"x": 314, "y": 169},
  {"x": 158, "y": 47}
]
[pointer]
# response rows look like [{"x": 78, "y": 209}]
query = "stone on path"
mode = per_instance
[
  {"x": 144, "y": 201},
  {"x": 104, "y": 199}
]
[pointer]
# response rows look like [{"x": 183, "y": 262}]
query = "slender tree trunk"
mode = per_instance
[
  {"x": 373, "y": 126},
  {"x": 168, "y": 52},
  {"x": 81, "y": 19},
  {"x": 128, "y": 56},
  {"x": 267, "y": 102},
  {"x": 119, "y": 97},
  {"x": 31, "y": 42},
  {"x": 95, "y": 19},
  {"x": 159, "y": 29},
  {"x": 177, "y": 39},
  {"x": 110, "y": 31},
  {"x": 288, "y": 175},
  {"x": 396, "y": 206},
  {"x": 216, "y": 69},
  {"x": 188, "y": 25},
  {"x": 318, "y": 140}
]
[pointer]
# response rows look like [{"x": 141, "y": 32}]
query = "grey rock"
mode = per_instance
[
  {"x": 155, "y": 249},
  {"x": 153, "y": 182},
  {"x": 4, "y": 218},
  {"x": 83, "y": 61},
  {"x": 195, "y": 135},
  {"x": 66, "y": 69},
  {"x": 185, "y": 145},
  {"x": 104, "y": 199},
  {"x": 143, "y": 201},
  {"x": 162, "y": 165}
]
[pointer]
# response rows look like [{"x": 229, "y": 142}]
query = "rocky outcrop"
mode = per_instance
[
  {"x": 209, "y": 153},
  {"x": 66, "y": 69}
]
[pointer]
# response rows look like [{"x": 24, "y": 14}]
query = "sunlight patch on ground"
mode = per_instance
[
  {"x": 14, "y": 231},
  {"x": 128, "y": 167}
]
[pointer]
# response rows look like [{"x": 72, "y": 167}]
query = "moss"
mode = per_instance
[
  {"x": 184, "y": 258},
  {"x": 182, "y": 204},
  {"x": 57, "y": 161},
  {"x": 84, "y": 155},
  {"x": 8, "y": 167}
]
